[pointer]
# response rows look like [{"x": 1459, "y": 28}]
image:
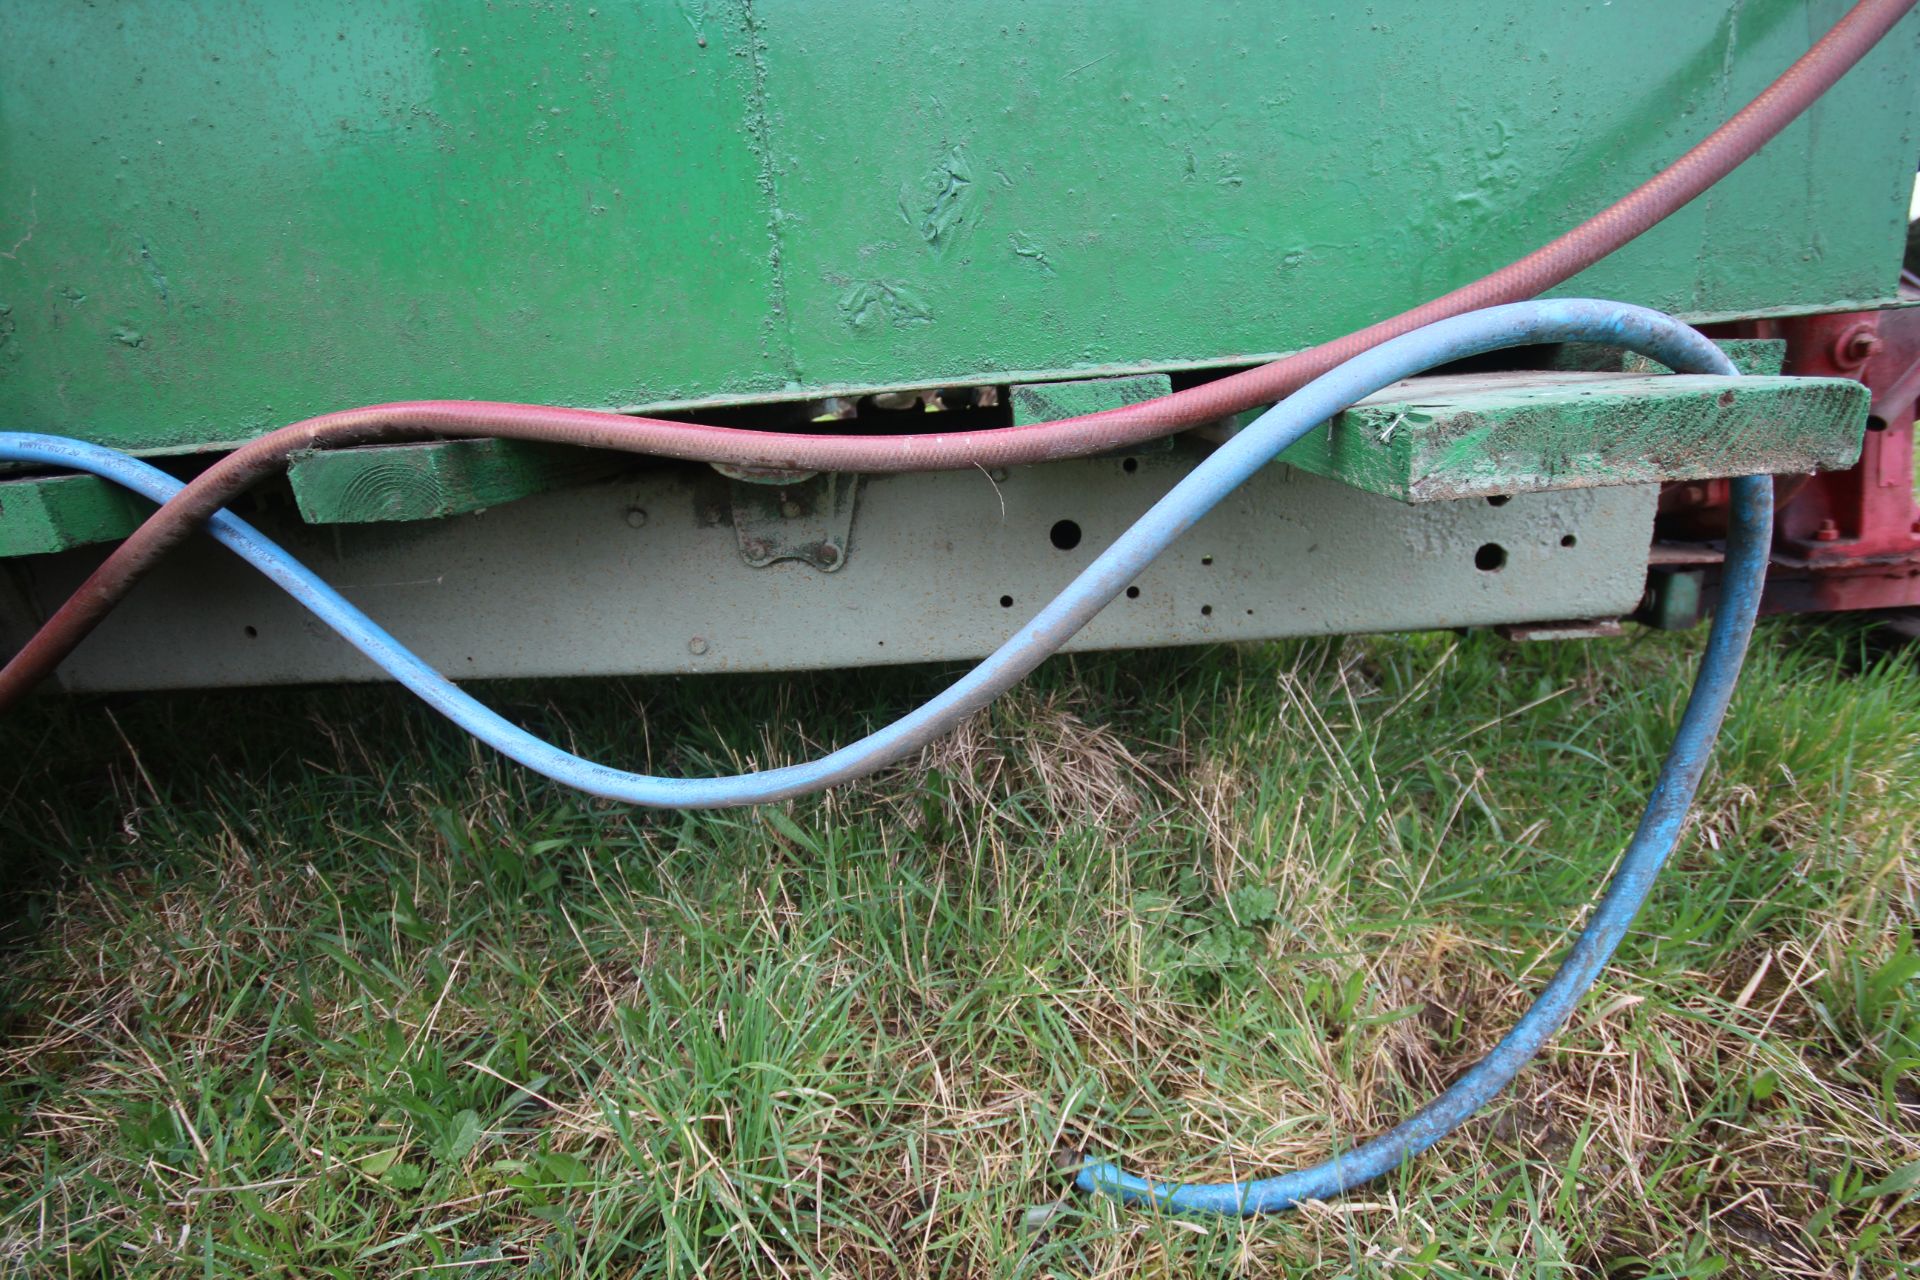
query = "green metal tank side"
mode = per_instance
[{"x": 218, "y": 217}]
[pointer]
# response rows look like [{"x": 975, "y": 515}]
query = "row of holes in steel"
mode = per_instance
[{"x": 1489, "y": 557}]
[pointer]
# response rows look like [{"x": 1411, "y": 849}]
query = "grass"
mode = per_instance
[{"x": 305, "y": 984}]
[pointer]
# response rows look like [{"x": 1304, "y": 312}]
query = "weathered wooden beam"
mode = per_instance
[
  {"x": 1481, "y": 435},
  {"x": 1753, "y": 357},
  {"x": 1749, "y": 356},
  {"x": 1047, "y": 401},
  {"x": 436, "y": 479},
  {"x": 41, "y": 514}
]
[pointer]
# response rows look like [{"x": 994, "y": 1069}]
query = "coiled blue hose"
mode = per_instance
[{"x": 1567, "y": 320}]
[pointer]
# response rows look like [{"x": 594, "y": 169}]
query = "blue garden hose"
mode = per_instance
[{"x": 1570, "y": 320}]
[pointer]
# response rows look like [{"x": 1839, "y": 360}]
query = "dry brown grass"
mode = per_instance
[{"x": 864, "y": 1036}]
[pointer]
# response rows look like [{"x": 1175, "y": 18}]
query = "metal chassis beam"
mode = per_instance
[{"x": 646, "y": 574}]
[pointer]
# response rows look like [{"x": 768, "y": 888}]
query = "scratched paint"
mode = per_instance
[
  {"x": 946, "y": 205},
  {"x": 216, "y": 217}
]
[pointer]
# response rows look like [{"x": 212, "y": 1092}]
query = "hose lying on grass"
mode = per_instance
[{"x": 1616, "y": 324}]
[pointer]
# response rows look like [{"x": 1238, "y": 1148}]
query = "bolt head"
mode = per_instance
[
  {"x": 636, "y": 518},
  {"x": 790, "y": 509},
  {"x": 1856, "y": 346},
  {"x": 697, "y": 646}
]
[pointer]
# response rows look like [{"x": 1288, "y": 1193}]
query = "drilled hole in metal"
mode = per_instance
[{"x": 1490, "y": 558}]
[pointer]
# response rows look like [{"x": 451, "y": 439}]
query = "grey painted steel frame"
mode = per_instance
[{"x": 565, "y": 584}]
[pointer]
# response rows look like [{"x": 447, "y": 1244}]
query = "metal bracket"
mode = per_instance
[{"x": 809, "y": 519}]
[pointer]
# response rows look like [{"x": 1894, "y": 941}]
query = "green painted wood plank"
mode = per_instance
[
  {"x": 441, "y": 478},
  {"x": 42, "y": 514},
  {"x": 1047, "y": 401},
  {"x": 1753, "y": 357},
  {"x": 1489, "y": 434},
  {"x": 1749, "y": 356}
]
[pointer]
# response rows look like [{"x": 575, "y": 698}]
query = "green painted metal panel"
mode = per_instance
[
  {"x": 232, "y": 215},
  {"x": 217, "y": 216},
  {"x": 1483, "y": 435}
]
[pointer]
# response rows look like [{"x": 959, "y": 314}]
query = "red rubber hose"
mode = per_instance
[{"x": 1671, "y": 189}]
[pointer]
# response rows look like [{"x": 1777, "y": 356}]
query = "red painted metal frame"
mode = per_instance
[{"x": 1843, "y": 540}]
